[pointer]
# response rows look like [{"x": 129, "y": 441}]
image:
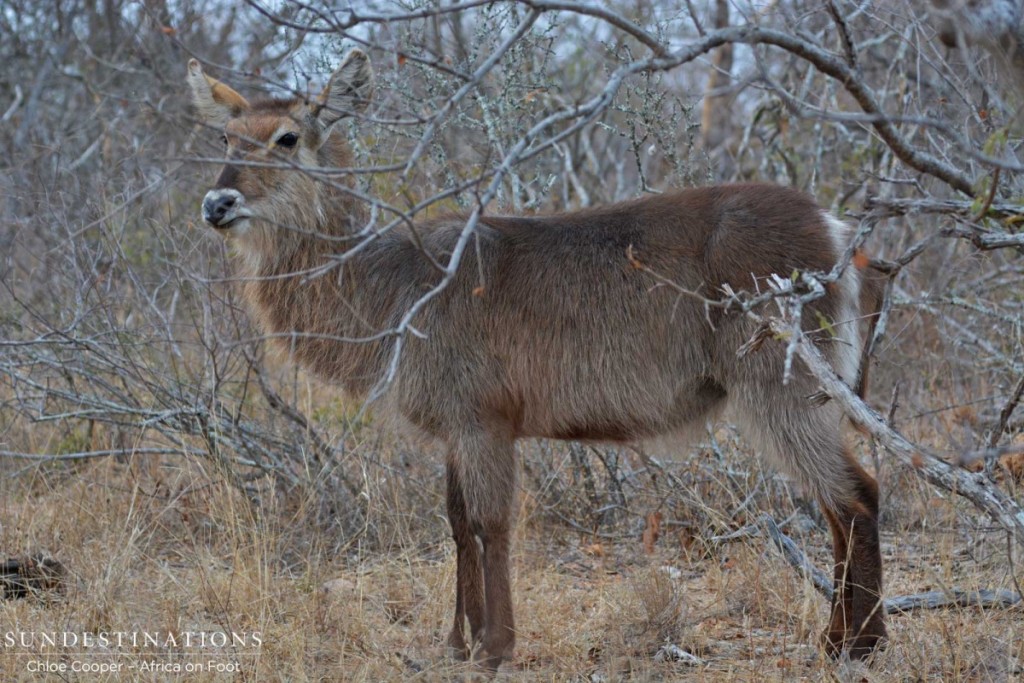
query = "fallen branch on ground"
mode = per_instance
[
  {"x": 953, "y": 597},
  {"x": 33, "y": 575},
  {"x": 797, "y": 558}
]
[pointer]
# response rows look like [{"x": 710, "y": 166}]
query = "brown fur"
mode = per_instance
[{"x": 547, "y": 330}]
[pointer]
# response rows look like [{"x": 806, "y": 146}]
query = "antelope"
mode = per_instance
[{"x": 564, "y": 339}]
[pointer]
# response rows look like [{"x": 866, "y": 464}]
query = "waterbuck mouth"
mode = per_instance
[{"x": 230, "y": 223}]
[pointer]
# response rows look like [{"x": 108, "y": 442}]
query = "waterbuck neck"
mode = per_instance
[{"x": 312, "y": 305}]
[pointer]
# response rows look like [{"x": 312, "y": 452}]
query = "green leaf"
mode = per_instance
[{"x": 826, "y": 324}]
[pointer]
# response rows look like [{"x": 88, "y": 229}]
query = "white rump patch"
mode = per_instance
[{"x": 846, "y": 355}]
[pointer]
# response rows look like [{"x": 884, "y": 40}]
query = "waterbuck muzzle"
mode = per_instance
[{"x": 224, "y": 207}]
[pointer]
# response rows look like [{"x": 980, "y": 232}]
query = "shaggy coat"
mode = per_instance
[{"x": 547, "y": 330}]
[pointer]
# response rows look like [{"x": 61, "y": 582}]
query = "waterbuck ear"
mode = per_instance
[
  {"x": 348, "y": 91},
  {"x": 215, "y": 101}
]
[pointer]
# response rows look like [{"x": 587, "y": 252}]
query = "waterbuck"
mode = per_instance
[{"x": 547, "y": 330}]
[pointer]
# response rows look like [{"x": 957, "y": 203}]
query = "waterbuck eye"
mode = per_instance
[
  {"x": 288, "y": 140},
  {"x": 224, "y": 139}
]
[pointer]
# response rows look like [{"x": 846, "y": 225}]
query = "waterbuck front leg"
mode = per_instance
[
  {"x": 469, "y": 588},
  {"x": 486, "y": 471},
  {"x": 857, "y": 623}
]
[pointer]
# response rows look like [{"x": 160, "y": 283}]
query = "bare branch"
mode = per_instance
[{"x": 975, "y": 487}]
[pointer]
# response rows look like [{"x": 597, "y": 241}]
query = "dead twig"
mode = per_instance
[
  {"x": 983, "y": 209},
  {"x": 1004, "y": 414}
]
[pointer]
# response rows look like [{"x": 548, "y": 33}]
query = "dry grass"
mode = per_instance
[{"x": 167, "y": 545}]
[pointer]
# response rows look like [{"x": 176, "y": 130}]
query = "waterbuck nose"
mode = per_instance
[
  {"x": 221, "y": 207},
  {"x": 216, "y": 207}
]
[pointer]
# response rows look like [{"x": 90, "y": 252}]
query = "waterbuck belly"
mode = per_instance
[{"x": 622, "y": 411}]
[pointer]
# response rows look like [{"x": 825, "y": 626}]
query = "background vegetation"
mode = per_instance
[{"x": 187, "y": 482}]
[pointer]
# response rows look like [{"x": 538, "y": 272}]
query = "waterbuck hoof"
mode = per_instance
[
  {"x": 486, "y": 662},
  {"x": 859, "y": 647},
  {"x": 456, "y": 649},
  {"x": 457, "y": 654}
]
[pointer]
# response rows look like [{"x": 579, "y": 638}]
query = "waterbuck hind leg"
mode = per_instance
[
  {"x": 806, "y": 441},
  {"x": 469, "y": 588},
  {"x": 486, "y": 470},
  {"x": 857, "y": 624}
]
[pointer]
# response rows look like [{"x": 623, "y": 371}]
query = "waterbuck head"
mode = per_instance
[{"x": 272, "y": 145}]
